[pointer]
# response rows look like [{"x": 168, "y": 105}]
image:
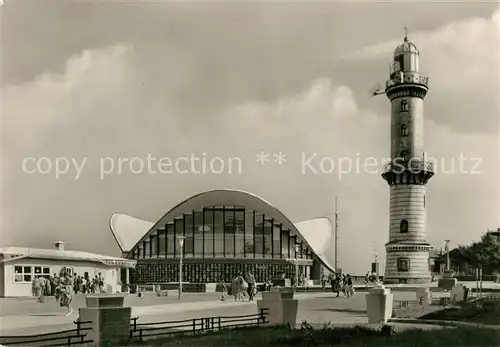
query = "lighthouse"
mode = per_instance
[{"x": 408, "y": 171}]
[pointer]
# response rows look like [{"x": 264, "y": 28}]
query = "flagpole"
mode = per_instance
[{"x": 336, "y": 235}]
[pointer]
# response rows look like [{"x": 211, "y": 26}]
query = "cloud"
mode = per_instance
[
  {"x": 117, "y": 102},
  {"x": 461, "y": 58}
]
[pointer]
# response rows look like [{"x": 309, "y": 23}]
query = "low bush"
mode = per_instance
[
  {"x": 329, "y": 336},
  {"x": 480, "y": 311}
]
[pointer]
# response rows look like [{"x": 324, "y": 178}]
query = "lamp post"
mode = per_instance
[
  {"x": 180, "y": 239},
  {"x": 447, "y": 249},
  {"x": 297, "y": 249}
]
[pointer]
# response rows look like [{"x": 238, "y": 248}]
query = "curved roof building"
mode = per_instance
[{"x": 224, "y": 232}]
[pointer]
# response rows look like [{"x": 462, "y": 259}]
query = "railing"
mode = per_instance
[
  {"x": 195, "y": 325},
  {"x": 61, "y": 338},
  {"x": 412, "y": 78},
  {"x": 414, "y": 165}
]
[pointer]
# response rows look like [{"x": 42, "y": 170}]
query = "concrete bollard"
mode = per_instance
[
  {"x": 448, "y": 281},
  {"x": 110, "y": 320},
  {"x": 457, "y": 293},
  {"x": 281, "y": 306},
  {"x": 379, "y": 302}
]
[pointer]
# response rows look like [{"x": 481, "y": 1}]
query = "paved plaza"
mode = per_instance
[
  {"x": 21, "y": 316},
  {"x": 25, "y": 316}
]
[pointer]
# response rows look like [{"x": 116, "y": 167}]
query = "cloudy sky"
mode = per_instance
[{"x": 90, "y": 79}]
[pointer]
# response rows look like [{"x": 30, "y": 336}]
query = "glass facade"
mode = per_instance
[{"x": 241, "y": 239}]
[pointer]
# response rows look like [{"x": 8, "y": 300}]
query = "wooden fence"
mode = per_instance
[
  {"x": 139, "y": 331},
  {"x": 193, "y": 326},
  {"x": 70, "y": 337}
]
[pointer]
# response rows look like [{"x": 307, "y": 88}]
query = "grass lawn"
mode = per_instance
[
  {"x": 353, "y": 336},
  {"x": 481, "y": 311}
]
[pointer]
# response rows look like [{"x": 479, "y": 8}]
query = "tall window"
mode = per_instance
[
  {"x": 403, "y": 226},
  {"x": 153, "y": 242},
  {"x": 404, "y": 155},
  {"x": 399, "y": 60},
  {"x": 209, "y": 232},
  {"x": 23, "y": 274},
  {"x": 404, "y": 106},
  {"x": 259, "y": 235},
  {"x": 219, "y": 232},
  {"x": 424, "y": 201},
  {"x": 292, "y": 243},
  {"x": 198, "y": 233},
  {"x": 276, "y": 241},
  {"x": 170, "y": 240},
  {"x": 403, "y": 264},
  {"x": 404, "y": 130},
  {"x": 285, "y": 251},
  {"x": 268, "y": 238},
  {"x": 229, "y": 232},
  {"x": 161, "y": 241},
  {"x": 188, "y": 228},
  {"x": 249, "y": 233},
  {"x": 241, "y": 235},
  {"x": 179, "y": 231}
]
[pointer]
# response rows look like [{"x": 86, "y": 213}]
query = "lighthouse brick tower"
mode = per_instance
[{"x": 408, "y": 171}]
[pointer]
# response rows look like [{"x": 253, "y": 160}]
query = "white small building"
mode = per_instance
[{"x": 19, "y": 265}]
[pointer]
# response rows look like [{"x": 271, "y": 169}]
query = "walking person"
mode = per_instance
[
  {"x": 41, "y": 291},
  {"x": 223, "y": 290},
  {"x": 100, "y": 283},
  {"x": 344, "y": 285},
  {"x": 250, "y": 279},
  {"x": 244, "y": 286},
  {"x": 337, "y": 285},
  {"x": 331, "y": 279},
  {"x": 323, "y": 283},
  {"x": 349, "y": 287},
  {"x": 236, "y": 288},
  {"x": 35, "y": 285},
  {"x": 64, "y": 290}
]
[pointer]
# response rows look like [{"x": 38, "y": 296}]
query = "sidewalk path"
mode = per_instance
[
  {"x": 318, "y": 308},
  {"x": 54, "y": 321}
]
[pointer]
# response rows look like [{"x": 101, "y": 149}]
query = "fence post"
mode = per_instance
[
  {"x": 219, "y": 323},
  {"x": 194, "y": 326},
  {"x": 77, "y": 322},
  {"x": 135, "y": 323},
  {"x": 69, "y": 340},
  {"x": 140, "y": 334},
  {"x": 202, "y": 324},
  {"x": 262, "y": 315},
  {"x": 212, "y": 323}
]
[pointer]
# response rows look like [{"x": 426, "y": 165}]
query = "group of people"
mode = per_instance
[
  {"x": 86, "y": 285},
  {"x": 242, "y": 285},
  {"x": 339, "y": 283},
  {"x": 62, "y": 286}
]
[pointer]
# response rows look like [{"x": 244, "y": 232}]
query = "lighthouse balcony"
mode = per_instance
[
  {"x": 412, "y": 171},
  {"x": 407, "y": 78},
  {"x": 413, "y": 165}
]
